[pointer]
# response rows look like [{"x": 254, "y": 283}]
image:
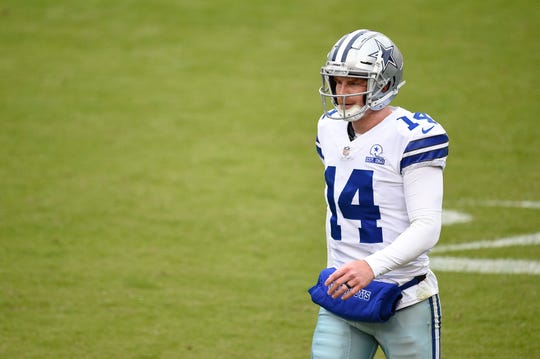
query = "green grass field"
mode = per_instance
[{"x": 160, "y": 195}]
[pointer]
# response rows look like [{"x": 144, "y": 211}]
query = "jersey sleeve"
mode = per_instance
[
  {"x": 424, "y": 194},
  {"x": 318, "y": 140},
  {"x": 426, "y": 147},
  {"x": 318, "y": 148}
]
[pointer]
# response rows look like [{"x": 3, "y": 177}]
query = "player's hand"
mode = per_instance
[{"x": 349, "y": 279}]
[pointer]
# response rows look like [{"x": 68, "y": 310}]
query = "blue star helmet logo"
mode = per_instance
[{"x": 386, "y": 54}]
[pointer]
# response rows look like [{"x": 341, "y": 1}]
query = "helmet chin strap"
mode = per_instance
[{"x": 352, "y": 114}]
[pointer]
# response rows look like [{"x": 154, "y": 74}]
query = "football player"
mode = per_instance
[{"x": 384, "y": 191}]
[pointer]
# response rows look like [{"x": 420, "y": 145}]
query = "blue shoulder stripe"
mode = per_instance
[
  {"x": 318, "y": 148},
  {"x": 426, "y": 142},
  {"x": 319, "y": 152},
  {"x": 424, "y": 156},
  {"x": 329, "y": 113}
]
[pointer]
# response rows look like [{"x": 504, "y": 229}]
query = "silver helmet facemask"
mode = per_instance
[{"x": 366, "y": 55}]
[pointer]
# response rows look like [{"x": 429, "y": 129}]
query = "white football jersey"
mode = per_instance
[{"x": 366, "y": 209}]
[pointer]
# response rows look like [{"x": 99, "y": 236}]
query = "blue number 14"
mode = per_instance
[{"x": 359, "y": 185}]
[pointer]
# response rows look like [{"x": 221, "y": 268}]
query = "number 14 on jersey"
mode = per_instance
[{"x": 360, "y": 186}]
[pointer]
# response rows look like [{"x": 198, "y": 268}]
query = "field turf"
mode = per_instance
[{"x": 160, "y": 194}]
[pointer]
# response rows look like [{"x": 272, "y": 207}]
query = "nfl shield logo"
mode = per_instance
[{"x": 346, "y": 151}]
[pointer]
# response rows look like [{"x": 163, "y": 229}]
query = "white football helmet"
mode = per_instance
[{"x": 363, "y": 54}]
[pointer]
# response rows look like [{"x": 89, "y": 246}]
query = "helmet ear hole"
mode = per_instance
[{"x": 389, "y": 84}]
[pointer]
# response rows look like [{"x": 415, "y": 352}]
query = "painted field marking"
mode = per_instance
[
  {"x": 496, "y": 266},
  {"x": 497, "y": 203},
  {"x": 451, "y": 217},
  {"x": 524, "y": 240}
]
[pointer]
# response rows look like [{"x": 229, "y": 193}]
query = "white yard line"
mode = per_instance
[
  {"x": 499, "y": 203},
  {"x": 524, "y": 240},
  {"x": 474, "y": 265},
  {"x": 450, "y": 217}
]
